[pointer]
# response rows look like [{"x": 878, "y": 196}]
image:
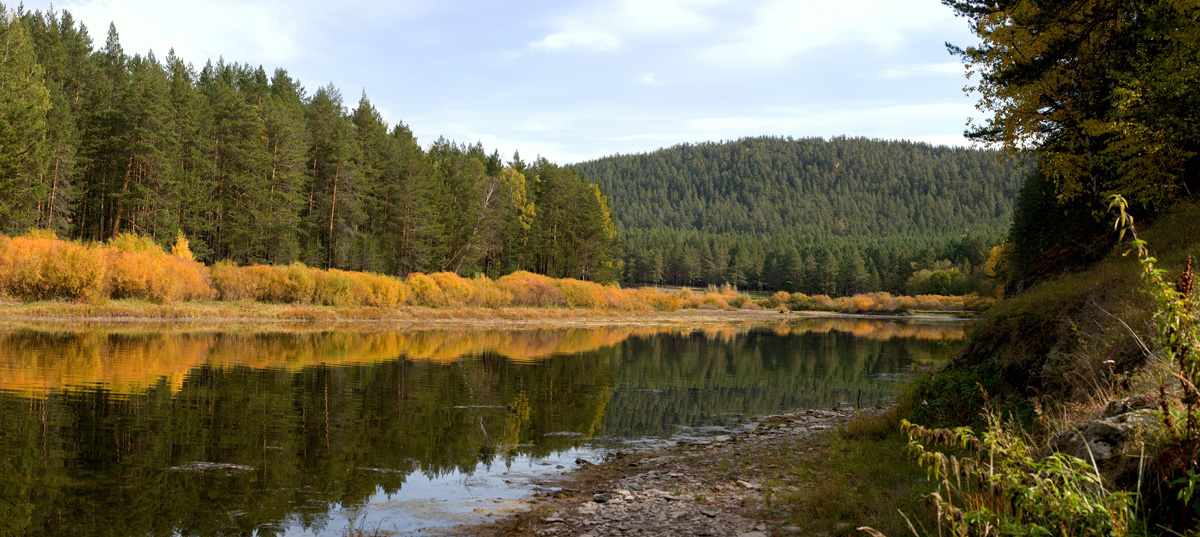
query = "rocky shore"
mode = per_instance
[{"x": 716, "y": 487}]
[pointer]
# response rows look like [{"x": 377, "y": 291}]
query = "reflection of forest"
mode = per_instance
[
  {"x": 129, "y": 361},
  {"x": 88, "y": 462},
  {"x": 100, "y": 429},
  {"x": 684, "y": 380}
]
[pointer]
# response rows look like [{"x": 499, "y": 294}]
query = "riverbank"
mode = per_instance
[
  {"x": 241, "y": 312},
  {"x": 814, "y": 472}
]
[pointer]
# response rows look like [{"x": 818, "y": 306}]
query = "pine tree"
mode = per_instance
[{"x": 24, "y": 148}]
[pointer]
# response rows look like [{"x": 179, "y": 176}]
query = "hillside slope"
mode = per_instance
[
  {"x": 844, "y": 186},
  {"x": 833, "y": 217}
]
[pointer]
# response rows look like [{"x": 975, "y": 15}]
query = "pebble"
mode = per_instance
[{"x": 679, "y": 493}]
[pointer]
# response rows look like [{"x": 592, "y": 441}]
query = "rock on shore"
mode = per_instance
[{"x": 711, "y": 487}]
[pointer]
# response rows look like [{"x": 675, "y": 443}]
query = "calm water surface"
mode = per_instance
[{"x": 307, "y": 431}]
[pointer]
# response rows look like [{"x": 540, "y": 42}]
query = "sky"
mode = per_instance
[{"x": 574, "y": 80}]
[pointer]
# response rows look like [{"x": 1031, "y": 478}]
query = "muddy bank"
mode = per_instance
[{"x": 714, "y": 487}]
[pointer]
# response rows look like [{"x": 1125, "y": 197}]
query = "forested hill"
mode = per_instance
[
  {"x": 841, "y": 187},
  {"x": 837, "y": 217}
]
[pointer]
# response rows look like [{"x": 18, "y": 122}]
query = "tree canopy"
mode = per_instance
[
  {"x": 254, "y": 168},
  {"x": 1103, "y": 93},
  {"x": 836, "y": 217}
]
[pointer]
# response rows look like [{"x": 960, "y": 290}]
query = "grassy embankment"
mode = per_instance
[
  {"x": 1038, "y": 366},
  {"x": 133, "y": 276}
]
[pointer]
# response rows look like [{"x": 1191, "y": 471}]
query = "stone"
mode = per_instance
[
  {"x": 602, "y": 497},
  {"x": 1096, "y": 440},
  {"x": 1129, "y": 404}
]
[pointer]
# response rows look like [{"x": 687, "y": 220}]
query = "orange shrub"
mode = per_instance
[
  {"x": 456, "y": 290},
  {"x": 152, "y": 274},
  {"x": 425, "y": 290},
  {"x": 332, "y": 288},
  {"x": 978, "y": 303},
  {"x": 856, "y": 304},
  {"x": 534, "y": 290},
  {"x": 41, "y": 267},
  {"x": 709, "y": 300},
  {"x": 668, "y": 301},
  {"x": 489, "y": 294},
  {"x": 378, "y": 290},
  {"x": 233, "y": 282},
  {"x": 779, "y": 298},
  {"x": 581, "y": 294},
  {"x": 293, "y": 284}
]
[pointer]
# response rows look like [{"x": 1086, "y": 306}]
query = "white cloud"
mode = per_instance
[
  {"x": 784, "y": 29},
  {"x": 578, "y": 38},
  {"x": 255, "y": 31},
  {"x": 649, "y": 79},
  {"x": 908, "y": 71},
  {"x": 602, "y": 26}
]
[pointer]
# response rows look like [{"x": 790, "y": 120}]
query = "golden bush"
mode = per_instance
[
  {"x": 41, "y": 267},
  {"x": 780, "y": 298},
  {"x": 139, "y": 268},
  {"x": 532, "y": 290},
  {"x": 233, "y": 282},
  {"x": 581, "y": 294},
  {"x": 489, "y": 294},
  {"x": 457, "y": 292},
  {"x": 425, "y": 290},
  {"x": 332, "y": 288}
]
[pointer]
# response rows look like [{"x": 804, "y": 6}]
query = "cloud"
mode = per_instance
[
  {"x": 578, "y": 39},
  {"x": 256, "y": 31},
  {"x": 602, "y": 26},
  {"x": 908, "y": 71},
  {"x": 649, "y": 79},
  {"x": 784, "y": 29}
]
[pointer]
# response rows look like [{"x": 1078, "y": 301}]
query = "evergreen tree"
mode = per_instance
[{"x": 24, "y": 148}]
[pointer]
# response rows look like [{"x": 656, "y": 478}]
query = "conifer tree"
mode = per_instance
[{"x": 24, "y": 148}]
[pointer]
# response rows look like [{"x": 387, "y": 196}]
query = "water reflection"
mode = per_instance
[{"x": 143, "y": 431}]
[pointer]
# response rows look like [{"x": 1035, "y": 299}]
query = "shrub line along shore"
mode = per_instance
[{"x": 132, "y": 276}]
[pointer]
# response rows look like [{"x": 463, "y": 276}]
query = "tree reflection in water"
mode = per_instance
[{"x": 141, "y": 430}]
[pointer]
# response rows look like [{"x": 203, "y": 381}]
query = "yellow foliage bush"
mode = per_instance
[
  {"x": 489, "y": 294},
  {"x": 856, "y": 304},
  {"x": 41, "y": 267},
  {"x": 780, "y": 298},
  {"x": 233, "y": 282},
  {"x": 532, "y": 290},
  {"x": 456, "y": 291},
  {"x": 135, "y": 270},
  {"x": 581, "y": 294},
  {"x": 667, "y": 301},
  {"x": 378, "y": 290},
  {"x": 332, "y": 288},
  {"x": 425, "y": 290}
]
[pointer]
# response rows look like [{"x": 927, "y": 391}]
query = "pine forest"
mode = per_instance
[{"x": 253, "y": 168}]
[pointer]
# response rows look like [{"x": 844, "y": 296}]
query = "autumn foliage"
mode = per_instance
[{"x": 39, "y": 266}]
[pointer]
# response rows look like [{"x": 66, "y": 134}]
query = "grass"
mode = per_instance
[{"x": 858, "y": 475}]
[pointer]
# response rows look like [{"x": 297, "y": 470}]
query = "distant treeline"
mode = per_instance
[
  {"x": 841, "y": 216},
  {"x": 255, "y": 169}
]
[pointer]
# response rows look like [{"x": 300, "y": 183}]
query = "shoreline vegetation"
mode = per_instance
[{"x": 42, "y": 276}]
